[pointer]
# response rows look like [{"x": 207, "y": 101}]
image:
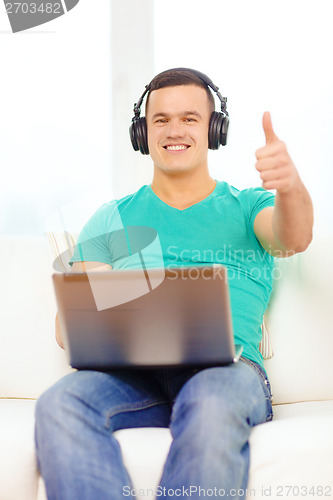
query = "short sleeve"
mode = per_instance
[
  {"x": 258, "y": 199},
  {"x": 93, "y": 243}
]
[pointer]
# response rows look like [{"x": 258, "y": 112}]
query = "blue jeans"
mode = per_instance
[{"x": 210, "y": 412}]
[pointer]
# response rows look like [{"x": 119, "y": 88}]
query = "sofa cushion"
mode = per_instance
[
  {"x": 18, "y": 468},
  {"x": 295, "y": 449},
  {"x": 144, "y": 452}
]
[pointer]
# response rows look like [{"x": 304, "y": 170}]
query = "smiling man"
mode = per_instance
[
  {"x": 178, "y": 134},
  {"x": 210, "y": 411}
]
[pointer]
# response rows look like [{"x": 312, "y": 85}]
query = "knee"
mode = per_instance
[
  {"x": 209, "y": 411},
  {"x": 212, "y": 403},
  {"x": 219, "y": 400},
  {"x": 209, "y": 395},
  {"x": 208, "y": 426},
  {"x": 54, "y": 402}
]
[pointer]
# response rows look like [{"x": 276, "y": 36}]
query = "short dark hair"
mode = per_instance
[{"x": 175, "y": 77}]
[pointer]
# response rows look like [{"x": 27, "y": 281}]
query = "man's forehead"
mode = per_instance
[{"x": 181, "y": 97}]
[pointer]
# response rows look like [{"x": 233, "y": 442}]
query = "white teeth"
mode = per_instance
[{"x": 176, "y": 148}]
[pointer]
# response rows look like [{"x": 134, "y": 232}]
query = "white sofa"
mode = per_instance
[{"x": 291, "y": 457}]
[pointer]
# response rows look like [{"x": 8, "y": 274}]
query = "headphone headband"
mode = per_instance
[{"x": 202, "y": 76}]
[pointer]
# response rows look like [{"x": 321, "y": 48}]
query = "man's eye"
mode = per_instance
[
  {"x": 189, "y": 120},
  {"x": 161, "y": 120}
]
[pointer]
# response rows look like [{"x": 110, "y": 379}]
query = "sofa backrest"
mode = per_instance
[
  {"x": 30, "y": 359},
  {"x": 300, "y": 323}
]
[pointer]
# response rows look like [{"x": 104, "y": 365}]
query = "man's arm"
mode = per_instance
[
  {"x": 79, "y": 267},
  {"x": 287, "y": 228}
]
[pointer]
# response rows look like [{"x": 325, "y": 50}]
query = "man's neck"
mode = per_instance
[{"x": 182, "y": 191}]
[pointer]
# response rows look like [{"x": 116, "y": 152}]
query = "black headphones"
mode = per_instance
[{"x": 218, "y": 124}]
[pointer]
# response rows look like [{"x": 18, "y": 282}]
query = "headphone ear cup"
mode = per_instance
[
  {"x": 224, "y": 130},
  {"x": 138, "y": 134},
  {"x": 218, "y": 130},
  {"x": 214, "y": 130},
  {"x": 132, "y": 132}
]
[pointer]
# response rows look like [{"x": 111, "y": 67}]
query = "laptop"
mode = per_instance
[{"x": 146, "y": 318}]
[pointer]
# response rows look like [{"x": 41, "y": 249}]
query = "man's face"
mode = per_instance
[{"x": 177, "y": 124}]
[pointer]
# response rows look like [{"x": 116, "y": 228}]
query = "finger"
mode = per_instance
[
  {"x": 274, "y": 148},
  {"x": 275, "y": 174},
  {"x": 268, "y": 128},
  {"x": 271, "y": 162},
  {"x": 281, "y": 185}
]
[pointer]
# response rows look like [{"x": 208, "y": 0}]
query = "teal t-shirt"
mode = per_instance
[{"x": 217, "y": 230}]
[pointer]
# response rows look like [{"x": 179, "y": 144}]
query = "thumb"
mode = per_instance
[{"x": 268, "y": 128}]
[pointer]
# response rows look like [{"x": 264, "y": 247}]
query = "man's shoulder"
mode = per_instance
[
  {"x": 142, "y": 192},
  {"x": 120, "y": 203},
  {"x": 228, "y": 190},
  {"x": 243, "y": 193}
]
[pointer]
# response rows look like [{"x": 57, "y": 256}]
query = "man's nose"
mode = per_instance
[{"x": 175, "y": 128}]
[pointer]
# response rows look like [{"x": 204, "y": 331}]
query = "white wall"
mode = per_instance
[
  {"x": 264, "y": 55},
  {"x": 55, "y": 119},
  {"x": 132, "y": 35},
  {"x": 57, "y": 106}
]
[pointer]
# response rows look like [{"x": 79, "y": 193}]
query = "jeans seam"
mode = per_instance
[
  {"x": 132, "y": 408},
  {"x": 266, "y": 383},
  {"x": 255, "y": 367}
]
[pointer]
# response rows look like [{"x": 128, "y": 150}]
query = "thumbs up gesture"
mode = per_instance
[{"x": 274, "y": 164}]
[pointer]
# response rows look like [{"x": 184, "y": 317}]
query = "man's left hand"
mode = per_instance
[{"x": 276, "y": 168}]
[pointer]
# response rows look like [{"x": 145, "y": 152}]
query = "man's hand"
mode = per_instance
[
  {"x": 286, "y": 228},
  {"x": 276, "y": 168}
]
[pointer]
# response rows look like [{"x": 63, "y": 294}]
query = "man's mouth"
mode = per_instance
[{"x": 176, "y": 147}]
